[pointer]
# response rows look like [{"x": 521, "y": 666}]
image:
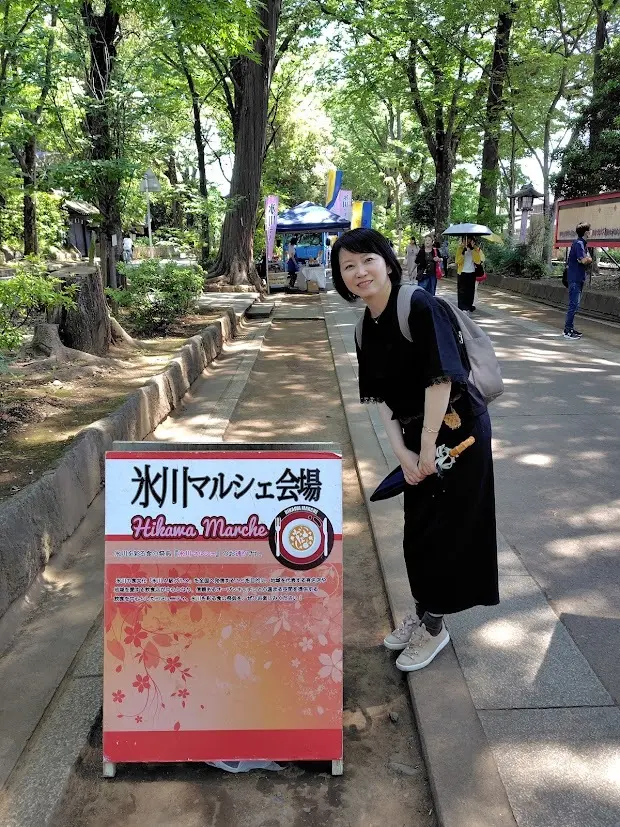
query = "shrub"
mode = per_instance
[
  {"x": 157, "y": 294},
  {"x": 28, "y": 292},
  {"x": 513, "y": 260},
  {"x": 185, "y": 239}
]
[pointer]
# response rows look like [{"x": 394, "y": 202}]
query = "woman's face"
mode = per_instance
[
  {"x": 365, "y": 274},
  {"x": 428, "y": 242}
]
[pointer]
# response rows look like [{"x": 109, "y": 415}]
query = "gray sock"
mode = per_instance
[{"x": 433, "y": 623}]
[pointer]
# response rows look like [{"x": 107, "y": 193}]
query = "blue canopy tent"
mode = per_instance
[{"x": 310, "y": 218}]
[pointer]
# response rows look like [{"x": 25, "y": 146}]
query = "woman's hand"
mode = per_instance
[
  {"x": 426, "y": 463},
  {"x": 409, "y": 463}
]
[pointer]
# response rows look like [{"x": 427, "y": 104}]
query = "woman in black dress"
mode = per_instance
[{"x": 425, "y": 399}]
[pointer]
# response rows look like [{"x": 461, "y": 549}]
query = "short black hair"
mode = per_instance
[
  {"x": 363, "y": 240},
  {"x": 582, "y": 229}
]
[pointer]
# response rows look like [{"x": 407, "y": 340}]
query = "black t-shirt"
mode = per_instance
[{"x": 396, "y": 371}]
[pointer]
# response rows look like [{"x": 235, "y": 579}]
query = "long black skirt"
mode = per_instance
[{"x": 450, "y": 542}]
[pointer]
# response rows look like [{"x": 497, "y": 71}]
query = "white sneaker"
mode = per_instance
[
  {"x": 422, "y": 649},
  {"x": 399, "y": 638}
]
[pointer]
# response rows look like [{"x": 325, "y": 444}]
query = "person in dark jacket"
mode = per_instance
[
  {"x": 427, "y": 261},
  {"x": 578, "y": 258},
  {"x": 425, "y": 399}
]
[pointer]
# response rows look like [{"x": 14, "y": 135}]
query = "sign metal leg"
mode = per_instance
[
  {"x": 337, "y": 767},
  {"x": 109, "y": 769}
]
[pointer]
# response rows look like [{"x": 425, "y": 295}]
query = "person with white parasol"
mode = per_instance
[{"x": 469, "y": 261}]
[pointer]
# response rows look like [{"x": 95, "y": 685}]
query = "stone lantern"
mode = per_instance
[{"x": 525, "y": 202}]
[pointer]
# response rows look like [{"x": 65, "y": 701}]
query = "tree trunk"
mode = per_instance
[
  {"x": 31, "y": 242},
  {"x": 444, "y": 167},
  {"x": 600, "y": 41},
  {"x": 87, "y": 327},
  {"x": 235, "y": 257},
  {"x": 487, "y": 200},
  {"x": 205, "y": 234},
  {"x": 513, "y": 183},
  {"x": 177, "y": 209},
  {"x": 103, "y": 33}
]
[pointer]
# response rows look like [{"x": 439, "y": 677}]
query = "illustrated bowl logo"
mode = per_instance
[{"x": 301, "y": 537}]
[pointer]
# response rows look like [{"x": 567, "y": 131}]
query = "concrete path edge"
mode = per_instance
[{"x": 35, "y": 522}]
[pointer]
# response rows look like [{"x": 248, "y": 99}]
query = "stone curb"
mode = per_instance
[
  {"x": 35, "y": 522},
  {"x": 603, "y": 305}
]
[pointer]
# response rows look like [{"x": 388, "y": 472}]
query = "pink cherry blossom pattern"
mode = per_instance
[
  {"x": 332, "y": 666},
  {"x": 306, "y": 644},
  {"x": 118, "y": 696},
  {"x": 141, "y": 683},
  {"x": 172, "y": 664},
  {"x": 135, "y": 634}
]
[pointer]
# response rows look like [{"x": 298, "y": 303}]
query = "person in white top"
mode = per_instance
[
  {"x": 127, "y": 249},
  {"x": 411, "y": 253},
  {"x": 469, "y": 256}
]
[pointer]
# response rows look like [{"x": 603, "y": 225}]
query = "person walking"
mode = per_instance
[
  {"x": 468, "y": 256},
  {"x": 425, "y": 399},
  {"x": 578, "y": 258},
  {"x": 444, "y": 251},
  {"x": 291, "y": 264},
  {"x": 428, "y": 263},
  {"x": 127, "y": 248},
  {"x": 411, "y": 253}
]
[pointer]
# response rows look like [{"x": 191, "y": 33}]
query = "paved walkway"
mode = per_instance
[{"x": 519, "y": 719}]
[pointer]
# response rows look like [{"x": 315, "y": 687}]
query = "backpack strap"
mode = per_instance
[
  {"x": 358, "y": 331},
  {"x": 403, "y": 307}
]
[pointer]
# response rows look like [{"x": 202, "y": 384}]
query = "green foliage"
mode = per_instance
[
  {"x": 52, "y": 222},
  {"x": 157, "y": 294},
  {"x": 421, "y": 211},
  {"x": 186, "y": 240},
  {"x": 513, "y": 260},
  {"x": 30, "y": 291}
]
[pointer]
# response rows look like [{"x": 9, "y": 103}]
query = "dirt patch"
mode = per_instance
[
  {"x": 292, "y": 395},
  {"x": 42, "y": 410}
]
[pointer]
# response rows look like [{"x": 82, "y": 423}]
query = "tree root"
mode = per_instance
[
  {"x": 47, "y": 351},
  {"x": 120, "y": 336}
]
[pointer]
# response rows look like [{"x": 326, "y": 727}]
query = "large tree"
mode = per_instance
[
  {"x": 103, "y": 36},
  {"x": 438, "y": 49},
  {"x": 251, "y": 81},
  {"x": 489, "y": 177},
  {"x": 37, "y": 73}
]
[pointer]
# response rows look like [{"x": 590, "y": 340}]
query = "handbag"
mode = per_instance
[
  {"x": 565, "y": 275},
  {"x": 480, "y": 274},
  {"x": 438, "y": 267}
]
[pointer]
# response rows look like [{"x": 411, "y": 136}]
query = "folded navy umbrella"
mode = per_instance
[
  {"x": 391, "y": 486},
  {"x": 394, "y": 483}
]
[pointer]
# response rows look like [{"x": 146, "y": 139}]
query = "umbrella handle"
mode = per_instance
[
  {"x": 462, "y": 446},
  {"x": 446, "y": 457}
]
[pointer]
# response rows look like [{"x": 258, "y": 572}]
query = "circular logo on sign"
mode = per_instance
[{"x": 301, "y": 537}]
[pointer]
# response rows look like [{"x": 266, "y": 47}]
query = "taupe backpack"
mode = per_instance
[{"x": 484, "y": 370}]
